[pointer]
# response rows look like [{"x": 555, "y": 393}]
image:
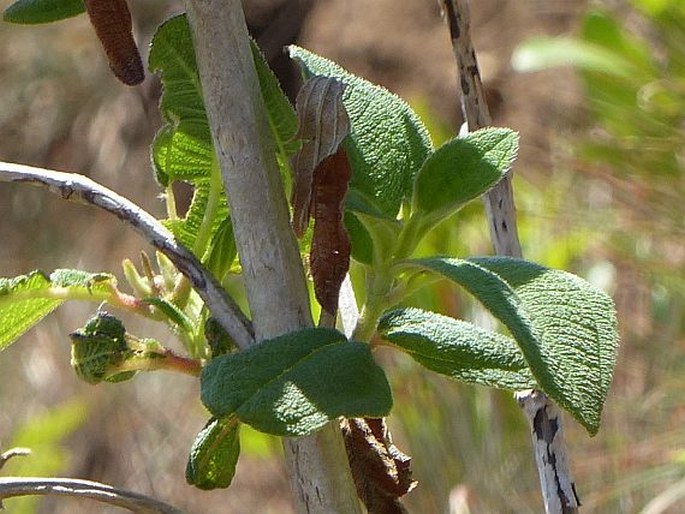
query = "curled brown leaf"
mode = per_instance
[
  {"x": 323, "y": 124},
  {"x": 381, "y": 472},
  {"x": 112, "y": 22},
  {"x": 330, "y": 252}
]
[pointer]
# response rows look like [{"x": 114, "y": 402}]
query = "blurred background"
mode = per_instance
[{"x": 597, "y": 91}]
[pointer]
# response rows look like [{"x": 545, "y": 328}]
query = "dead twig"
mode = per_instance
[
  {"x": 80, "y": 189},
  {"x": 135, "y": 502},
  {"x": 551, "y": 454}
]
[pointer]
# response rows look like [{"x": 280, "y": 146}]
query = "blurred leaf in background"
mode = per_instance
[{"x": 44, "y": 435}]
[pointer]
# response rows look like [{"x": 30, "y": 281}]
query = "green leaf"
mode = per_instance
[
  {"x": 294, "y": 384},
  {"x": 31, "y": 12},
  {"x": 172, "y": 312},
  {"x": 26, "y": 299},
  {"x": 565, "y": 327},
  {"x": 222, "y": 250},
  {"x": 388, "y": 143},
  {"x": 382, "y": 230},
  {"x": 462, "y": 170},
  {"x": 542, "y": 53},
  {"x": 99, "y": 349},
  {"x": 459, "y": 350},
  {"x": 214, "y": 454},
  {"x": 183, "y": 148}
]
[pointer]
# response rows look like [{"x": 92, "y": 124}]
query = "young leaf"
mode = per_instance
[
  {"x": 388, "y": 142},
  {"x": 31, "y": 12},
  {"x": 183, "y": 148},
  {"x": 222, "y": 250},
  {"x": 294, "y": 384},
  {"x": 565, "y": 327},
  {"x": 383, "y": 230},
  {"x": 26, "y": 299},
  {"x": 99, "y": 349},
  {"x": 214, "y": 454},
  {"x": 462, "y": 170},
  {"x": 457, "y": 349}
]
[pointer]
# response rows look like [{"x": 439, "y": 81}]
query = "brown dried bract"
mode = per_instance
[
  {"x": 381, "y": 472},
  {"x": 323, "y": 124},
  {"x": 113, "y": 26},
  {"x": 330, "y": 252}
]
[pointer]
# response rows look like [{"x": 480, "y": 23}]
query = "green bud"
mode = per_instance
[
  {"x": 218, "y": 340},
  {"x": 99, "y": 349}
]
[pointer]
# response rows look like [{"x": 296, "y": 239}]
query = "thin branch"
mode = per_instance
[
  {"x": 135, "y": 502},
  {"x": 13, "y": 452},
  {"x": 551, "y": 453},
  {"x": 80, "y": 189},
  {"x": 272, "y": 267}
]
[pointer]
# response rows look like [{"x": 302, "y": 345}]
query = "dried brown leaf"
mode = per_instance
[
  {"x": 381, "y": 472},
  {"x": 323, "y": 124},
  {"x": 111, "y": 20},
  {"x": 330, "y": 252}
]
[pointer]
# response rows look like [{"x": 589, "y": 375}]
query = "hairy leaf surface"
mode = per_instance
[
  {"x": 294, "y": 384},
  {"x": 457, "y": 349},
  {"x": 26, "y": 299},
  {"x": 565, "y": 327}
]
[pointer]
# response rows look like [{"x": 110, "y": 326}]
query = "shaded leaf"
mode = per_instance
[
  {"x": 457, "y": 349},
  {"x": 31, "y": 12},
  {"x": 214, "y": 454},
  {"x": 294, "y": 384},
  {"x": 565, "y": 327}
]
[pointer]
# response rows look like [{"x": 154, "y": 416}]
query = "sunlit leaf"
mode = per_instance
[
  {"x": 457, "y": 349},
  {"x": 294, "y": 384},
  {"x": 26, "y": 299},
  {"x": 565, "y": 327}
]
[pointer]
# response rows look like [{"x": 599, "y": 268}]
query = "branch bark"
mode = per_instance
[
  {"x": 272, "y": 269},
  {"x": 80, "y": 189},
  {"x": 551, "y": 453},
  {"x": 135, "y": 502}
]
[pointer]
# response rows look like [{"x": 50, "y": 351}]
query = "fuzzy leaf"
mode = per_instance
[
  {"x": 457, "y": 349},
  {"x": 183, "y": 148},
  {"x": 462, "y": 170},
  {"x": 214, "y": 454},
  {"x": 26, "y": 299},
  {"x": 388, "y": 143},
  {"x": 565, "y": 327},
  {"x": 294, "y": 384},
  {"x": 31, "y": 12}
]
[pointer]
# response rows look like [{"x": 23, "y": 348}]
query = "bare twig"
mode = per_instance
[
  {"x": 551, "y": 454},
  {"x": 13, "y": 452},
  {"x": 80, "y": 189},
  {"x": 272, "y": 267},
  {"x": 135, "y": 502}
]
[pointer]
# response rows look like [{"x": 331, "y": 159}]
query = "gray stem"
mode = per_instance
[
  {"x": 135, "y": 502},
  {"x": 80, "y": 189},
  {"x": 551, "y": 453},
  {"x": 272, "y": 268}
]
